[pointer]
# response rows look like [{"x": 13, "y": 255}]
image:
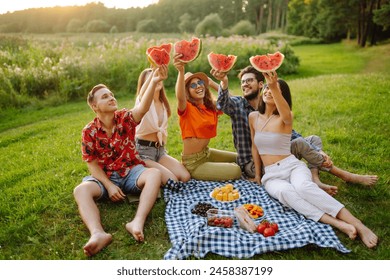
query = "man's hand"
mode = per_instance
[
  {"x": 115, "y": 193},
  {"x": 220, "y": 76}
]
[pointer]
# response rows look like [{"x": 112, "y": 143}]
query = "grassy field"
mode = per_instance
[{"x": 341, "y": 94}]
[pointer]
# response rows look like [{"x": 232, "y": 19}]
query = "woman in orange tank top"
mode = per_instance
[{"x": 198, "y": 118}]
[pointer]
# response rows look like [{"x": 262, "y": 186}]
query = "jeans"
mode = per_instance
[{"x": 127, "y": 184}]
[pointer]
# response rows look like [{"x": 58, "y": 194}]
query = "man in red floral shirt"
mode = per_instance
[{"x": 108, "y": 148}]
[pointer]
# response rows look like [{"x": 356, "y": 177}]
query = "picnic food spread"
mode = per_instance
[
  {"x": 193, "y": 236},
  {"x": 225, "y": 193}
]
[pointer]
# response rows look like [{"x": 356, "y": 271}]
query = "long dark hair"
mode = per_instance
[{"x": 285, "y": 89}]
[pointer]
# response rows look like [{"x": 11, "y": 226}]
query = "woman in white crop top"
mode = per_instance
[
  {"x": 151, "y": 133},
  {"x": 285, "y": 177}
]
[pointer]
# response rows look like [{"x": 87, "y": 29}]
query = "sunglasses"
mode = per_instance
[
  {"x": 198, "y": 83},
  {"x": 247, "y": 81}
]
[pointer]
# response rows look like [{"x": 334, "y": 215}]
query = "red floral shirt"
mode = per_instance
[{"x": 115, "y": 153}]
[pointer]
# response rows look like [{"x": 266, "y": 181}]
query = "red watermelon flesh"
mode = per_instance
[
  {"x": 167, "y": 47},
  {"x": 158, "y": 57},
  {"x": 190, "y": 50},
  {"x": 267, "y": 63},
  {"x": 221, "y": 62}
]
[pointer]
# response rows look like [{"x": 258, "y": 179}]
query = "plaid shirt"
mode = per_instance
[
  {"x": 238, "y": 109},
  {"x": 116, "y": 153}
]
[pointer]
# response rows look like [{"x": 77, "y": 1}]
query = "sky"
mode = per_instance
[{"x": 16, "y": 5}]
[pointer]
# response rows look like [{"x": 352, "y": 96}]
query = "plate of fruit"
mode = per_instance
[
  {"x": 226, "y": 193},
  {"x": 254, "y": 210}
]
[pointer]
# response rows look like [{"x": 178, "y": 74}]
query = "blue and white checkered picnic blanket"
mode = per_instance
[{"x": 190, "y": 235}]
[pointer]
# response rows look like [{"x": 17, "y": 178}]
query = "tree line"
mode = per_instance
[{"x": 329, "y": 20}]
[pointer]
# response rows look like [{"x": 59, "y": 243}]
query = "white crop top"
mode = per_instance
[
  {"x": 272, "y": 143},
  {"x": 150, "y": 124}
]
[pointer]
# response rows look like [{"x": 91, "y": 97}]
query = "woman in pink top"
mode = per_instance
[{"x": 151, "y": 133}]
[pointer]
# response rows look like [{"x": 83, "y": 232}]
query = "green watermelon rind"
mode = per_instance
[
  {"x": 254, "y": 61},
  {"x": 176, "y": 45},
  {"x": 218, "y": 68}
]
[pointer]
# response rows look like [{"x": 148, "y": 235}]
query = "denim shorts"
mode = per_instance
[
  {"x": 127, "y": 184},
  {"x": 152, "y": 153}
]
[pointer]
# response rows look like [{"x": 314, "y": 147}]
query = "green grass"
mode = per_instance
[
  {"x": 347, "y": 105},
  {"x": 344, "y": 58}
]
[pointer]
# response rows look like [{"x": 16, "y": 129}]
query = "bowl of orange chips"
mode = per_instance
[
  {"x": 226, "y": 193},
  {"x": 254, "y": 210}
]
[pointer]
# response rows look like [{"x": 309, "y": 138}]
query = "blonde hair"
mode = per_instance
[{"x": 162, "y": 97}]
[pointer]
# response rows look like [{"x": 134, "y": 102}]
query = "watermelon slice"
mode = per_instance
[
  {"x": 158, "y": 57},
  {"x": 190, "y": 50},
  {"x": 167, "y": 47},
  {"x": 221, "y": 62},
  {"x": 267, "y": 63}
]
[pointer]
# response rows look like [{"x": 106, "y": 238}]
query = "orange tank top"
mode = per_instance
[{"x": 198, "y": 122}]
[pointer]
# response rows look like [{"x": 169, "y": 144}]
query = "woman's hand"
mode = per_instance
[
  {"x": 271, "y": 78},
  {"x": 179, "y": 65},
  {"x": 160, "y": 74}
]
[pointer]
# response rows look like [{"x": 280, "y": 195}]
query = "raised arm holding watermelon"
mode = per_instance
[
  {"x": 198, "y": 123},
  {"x": 152, "y": 132}
]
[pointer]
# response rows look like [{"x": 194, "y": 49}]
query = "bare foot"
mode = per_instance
[
  {"x": 135, "y": 229},
  {"x": 368, "y": 237},
  {"x": 97, "y": 242},
  {"x": 366, "y": 180}
]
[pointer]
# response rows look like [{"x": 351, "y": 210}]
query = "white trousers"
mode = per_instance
[{"x": 290, "y": 182}]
